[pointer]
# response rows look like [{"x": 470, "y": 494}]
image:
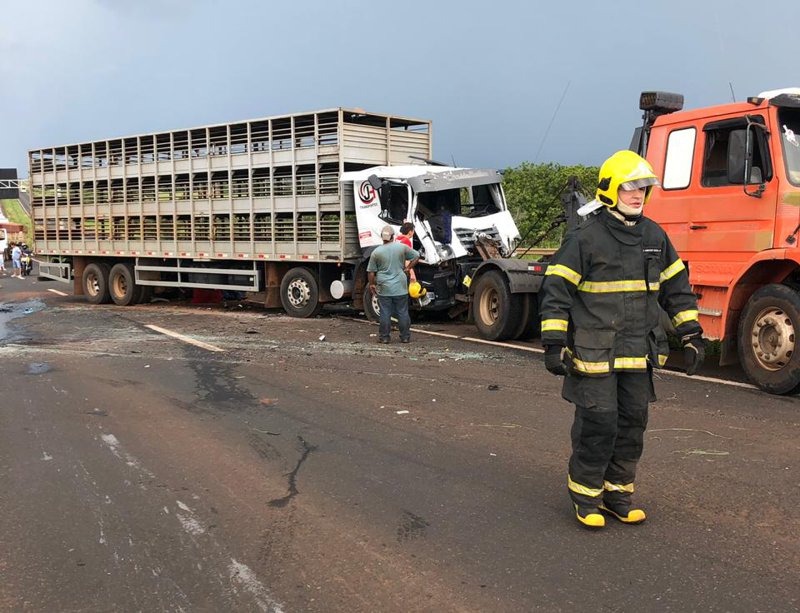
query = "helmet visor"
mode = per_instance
[{"x": 629, "y": 186}]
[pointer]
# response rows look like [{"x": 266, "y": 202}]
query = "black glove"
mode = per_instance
[
  {"x": 553, "y": 360},
  {"x": 694, "y": 352}
]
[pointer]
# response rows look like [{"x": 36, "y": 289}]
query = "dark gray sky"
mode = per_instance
[{"x": 489, "y": 74}]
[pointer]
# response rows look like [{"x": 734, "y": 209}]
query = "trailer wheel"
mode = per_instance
[
  {"x": 768, "y": 331},
  {"x": 300, "y": 293},
  {"x": 529, "y": 325},
  {"x": 496, "y": 310},
  {"x": 95, "y": 283},
  {"x": 144, "y": 294},
  {"x": 372, "y": 308},
  {"x": 122, "y": 285}
]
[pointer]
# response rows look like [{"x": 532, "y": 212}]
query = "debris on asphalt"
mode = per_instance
[
  {"x": 322, "y": 337},
  {"x": 267, "y": 401},
  {"x": 147, "y": 365},
  {"x": 251, "y": 331},
  {"x": 403, "y": 412},
  {"x": 493, "y": 387}
]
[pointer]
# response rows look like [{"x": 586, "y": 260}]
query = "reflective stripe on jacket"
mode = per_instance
[{"x": 602, "y": 293}]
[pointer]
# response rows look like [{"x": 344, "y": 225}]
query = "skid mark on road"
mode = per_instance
[
  {"x": 411, "y": 527},
  {"x": 293, "y": 491}
]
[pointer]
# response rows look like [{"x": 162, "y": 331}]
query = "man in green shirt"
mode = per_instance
[{"x": 387, "y": 279}]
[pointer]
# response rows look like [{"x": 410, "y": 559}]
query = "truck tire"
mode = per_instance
[
  {"x": 144, "y": 294},
  {"x": 122, "y": 285},
  {"x": 496, "y": 310},
  {"x": 529, "y": 324},
  {"x": 300, "y": 293},
  {"x": 371, "y": 307},
  {"x": 768, "y": 330},
  {"x": 95, "y": 283}
]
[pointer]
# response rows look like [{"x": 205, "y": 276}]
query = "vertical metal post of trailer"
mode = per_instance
[
  {"x": 293, "y": 144},
  {"x": 340, "y": 146},
  {"x": 317, "y": 168}
]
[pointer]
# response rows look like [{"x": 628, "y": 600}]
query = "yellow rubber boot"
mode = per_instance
[
  {"x": 589, "y": 517},
  {"x": 624, "y": 514}
]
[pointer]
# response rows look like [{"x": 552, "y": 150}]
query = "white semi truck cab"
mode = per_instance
[
  {"x": 448, "y": 207},
  {"x": 454, "y": 212}
]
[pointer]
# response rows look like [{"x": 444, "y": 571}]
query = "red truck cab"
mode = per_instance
[{"x": 739, "y": 239}]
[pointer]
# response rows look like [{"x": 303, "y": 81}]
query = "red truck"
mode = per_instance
[{"x": 730, "y": 202}]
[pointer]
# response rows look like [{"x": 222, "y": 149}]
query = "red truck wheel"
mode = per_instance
[{"x": 768, "y": 331}]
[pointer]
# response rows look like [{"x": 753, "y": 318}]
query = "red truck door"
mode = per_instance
[{"x": 725, "y": 224}]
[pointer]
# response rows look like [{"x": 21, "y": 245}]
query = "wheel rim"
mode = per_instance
[
  {"x": 773, "y": 338},
  {"x": 489, "y": 306},
  {"x": 120, "y": 286},
  {"x": 93, "y": 285},
  {"x": 376, "y": 306},
  {"x": 299, "y": 293}
]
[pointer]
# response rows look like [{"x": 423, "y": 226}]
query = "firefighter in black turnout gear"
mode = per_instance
[{"x": 601, "y": 328}]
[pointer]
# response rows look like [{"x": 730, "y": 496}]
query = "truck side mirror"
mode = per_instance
[{"x": 375, "y": 182}]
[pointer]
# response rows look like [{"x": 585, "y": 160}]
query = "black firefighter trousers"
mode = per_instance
[{"x": 607, "y": 435}]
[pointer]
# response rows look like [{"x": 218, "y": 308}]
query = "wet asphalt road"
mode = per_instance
[{"x": 290, "y": 473}]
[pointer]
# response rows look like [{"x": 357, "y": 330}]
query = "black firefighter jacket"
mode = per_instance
[{"x": 602, "y": 292}]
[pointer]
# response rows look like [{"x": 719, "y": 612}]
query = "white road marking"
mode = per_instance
[
  {"x": 55, "y": 291},
  {"x": 248, "y": 580},
  {"x": 672, "y": 373},
  {"x": 183, "y": 338},
  {"x": 188, "y": 520},
  {"x": 112, "y": 443}
]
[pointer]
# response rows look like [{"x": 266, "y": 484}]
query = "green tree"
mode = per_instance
[{"x": 533, "y": 192}]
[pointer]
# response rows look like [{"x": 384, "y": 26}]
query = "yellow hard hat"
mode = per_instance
[
  {"x": 415, "y": 290},
  {"x": 624, "y": 170}
]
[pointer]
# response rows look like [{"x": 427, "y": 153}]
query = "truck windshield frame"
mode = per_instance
[{"x": 789, "y": 126}]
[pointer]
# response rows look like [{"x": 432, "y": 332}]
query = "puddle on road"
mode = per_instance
[
  {"x": 15, "y": 310},
  {"x": 39, "y": 368}
]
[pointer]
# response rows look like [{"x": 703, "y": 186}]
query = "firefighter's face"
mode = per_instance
[{"x": 631, "y": 202}]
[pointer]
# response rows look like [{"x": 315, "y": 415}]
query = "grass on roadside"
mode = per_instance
[{"x": 16, "y": 214}]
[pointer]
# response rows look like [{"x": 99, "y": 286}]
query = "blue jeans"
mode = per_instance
[{"x": 397, "y": 306}]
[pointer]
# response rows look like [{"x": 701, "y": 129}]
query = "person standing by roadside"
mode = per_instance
[
  {"x": 3, "y": 250},
  {"x": 406, "y": 236},
  {"x": 387, "y": 280},
  {"x": 16, "y": 261},
  {"x": 601, "y": 328}
]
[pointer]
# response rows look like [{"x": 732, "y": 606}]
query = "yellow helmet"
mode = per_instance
[
  {"x": 415, "y": 290},
  {"x": 624, "y": 170}
]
